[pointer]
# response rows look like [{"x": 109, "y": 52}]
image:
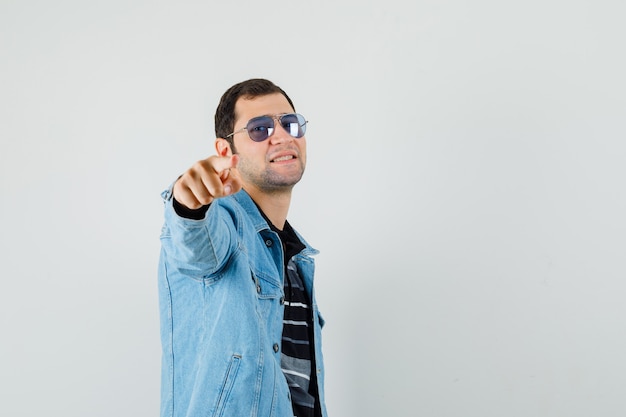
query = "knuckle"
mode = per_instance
[
  {"x": 204, "y": 200},
  {"x": 197, "y": 167}
]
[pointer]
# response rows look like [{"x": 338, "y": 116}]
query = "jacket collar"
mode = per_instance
[{"x": 260, "y": 224}]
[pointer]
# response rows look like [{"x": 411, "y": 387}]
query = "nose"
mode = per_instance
[{"x": 280, "y": 134}]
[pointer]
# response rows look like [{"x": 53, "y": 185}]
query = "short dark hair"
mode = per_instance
[{"x": 225, "y": 113}]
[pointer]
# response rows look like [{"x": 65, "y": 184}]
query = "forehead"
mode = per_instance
[{"x": 247, "y": 108}]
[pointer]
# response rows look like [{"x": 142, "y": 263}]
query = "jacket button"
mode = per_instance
[
  {"x": 258, "y": 288},
  {"x": 276, "y": 347},
  {"x": 269, "y": 243}
]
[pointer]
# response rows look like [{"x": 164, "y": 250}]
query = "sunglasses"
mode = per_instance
[{"x": 262, "y": 127}]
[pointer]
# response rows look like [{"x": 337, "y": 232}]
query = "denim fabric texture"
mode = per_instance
[{"x": 221, "y": 306}]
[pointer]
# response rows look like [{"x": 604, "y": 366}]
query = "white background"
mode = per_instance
[{"x": 465, "y": 187}]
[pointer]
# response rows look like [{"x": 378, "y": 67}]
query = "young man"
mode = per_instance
[{"x": 240, "y": 329}]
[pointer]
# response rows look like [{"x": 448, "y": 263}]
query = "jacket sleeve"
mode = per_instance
[{"x": 197, "y": 248}]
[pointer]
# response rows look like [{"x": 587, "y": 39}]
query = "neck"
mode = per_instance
[{"x": 275, "y": 205}]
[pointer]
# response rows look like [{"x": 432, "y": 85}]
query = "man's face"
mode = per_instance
[{"x": 277, "y": 163}]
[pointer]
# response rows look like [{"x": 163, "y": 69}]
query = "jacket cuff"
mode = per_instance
[{"x": 179, "y": 209}]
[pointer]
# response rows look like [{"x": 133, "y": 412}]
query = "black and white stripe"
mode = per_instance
[{"x": 296, "y": 356}]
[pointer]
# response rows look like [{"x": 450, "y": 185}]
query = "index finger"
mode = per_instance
[{"x": 223, "y": 163}]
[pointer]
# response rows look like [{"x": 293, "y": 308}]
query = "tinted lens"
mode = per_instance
[
  {"x": 294, "y": 124},
  {"x": 260, "y": 128}
]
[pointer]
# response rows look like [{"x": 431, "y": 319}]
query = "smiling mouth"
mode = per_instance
[{"x": 283, "y": 158}]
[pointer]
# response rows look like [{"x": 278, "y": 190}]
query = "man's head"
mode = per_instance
[
  {"x": 225, "y": 114},
  {"x": 274, "y": 162}
]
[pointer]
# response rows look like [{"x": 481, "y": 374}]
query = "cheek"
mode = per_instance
[
  {"x": 250, "y": 156},
  {"x": 303, "y": 150},
  {"x": 249, "y": 149}
]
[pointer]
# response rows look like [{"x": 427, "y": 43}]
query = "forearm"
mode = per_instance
[{"x": 197, "y": 247}]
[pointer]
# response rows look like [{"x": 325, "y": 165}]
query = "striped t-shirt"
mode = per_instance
[{"x": 298, "y": 354}]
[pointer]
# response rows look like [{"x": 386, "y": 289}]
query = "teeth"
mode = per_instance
[{"x": 283, "y": 158}]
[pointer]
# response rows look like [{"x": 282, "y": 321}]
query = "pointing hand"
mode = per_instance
[{"x": 207, "y": 180}]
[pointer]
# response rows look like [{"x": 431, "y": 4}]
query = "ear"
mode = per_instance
[{"x": 222, "y": 147}]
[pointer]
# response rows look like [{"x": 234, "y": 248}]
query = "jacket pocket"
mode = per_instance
[{"x": 227, "y": 385}]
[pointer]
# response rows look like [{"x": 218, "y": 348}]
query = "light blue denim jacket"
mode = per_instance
[{"x": 221, "y": 304}]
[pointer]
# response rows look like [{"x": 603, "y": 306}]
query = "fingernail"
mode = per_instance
[{"x": 227, "y": 189}]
